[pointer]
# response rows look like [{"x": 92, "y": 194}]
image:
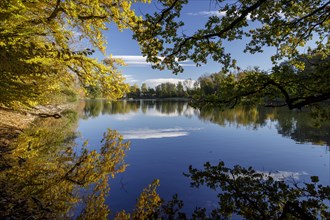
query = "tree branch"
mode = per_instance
[
  {"x": 165, "y": 11},
  {"x": 310, "y": 14},
  {"x": 88, "y": 17},
  {"x": 223, "y": 31},
  {"x": 56, "y": 10}
]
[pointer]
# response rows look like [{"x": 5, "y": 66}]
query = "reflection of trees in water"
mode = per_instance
[
  {"x": 248, "y": 117},
  {"x": 43, "y": 176},
  {"x": 94, "y": 108},
  {"x": 170, "y": 107},
  {"x": 298, "y": 126}
]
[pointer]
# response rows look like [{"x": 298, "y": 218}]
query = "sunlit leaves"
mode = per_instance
[
  {"x": 45, "y": 174},
  {"x": 147, "y": 204},
  {"x": 43, "y": 48}
]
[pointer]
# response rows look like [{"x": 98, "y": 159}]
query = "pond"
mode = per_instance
[{"x": 168, "y": 136}]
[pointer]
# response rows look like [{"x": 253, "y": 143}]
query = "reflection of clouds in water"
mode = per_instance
[
  {"x": 153, "y": 112},
  {"x": 123, "y": 117},
  {"x": 156, "y": 113},
  {"x": 282, "y": 175},
  {"x": 191, "y": 111},
  {"x": 186, "y": 111},
  {"x": 279, "y": 175},
  {"x": 157, "y": 133}
]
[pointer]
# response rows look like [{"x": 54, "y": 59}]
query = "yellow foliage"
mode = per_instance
[
  {"x": 148, "y": 202},
  {"x": 38, "y": 47},
  {"x": 42, "y": 172},
  {"x": 147, "y": 205}
]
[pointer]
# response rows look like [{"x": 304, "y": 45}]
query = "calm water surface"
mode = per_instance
[{"x": 167, "y": 136}]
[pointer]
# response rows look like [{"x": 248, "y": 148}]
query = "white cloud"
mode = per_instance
[
  {"x": 156, "y": 82},
  {"x": 213, "y": 13},
  {"x": 133, "y": 60},
  {"x": 282, "y": 175},
  {"x": 156, "y": 133},
  {"x": 208, "y": 13},
  {"x": 130, "y": 79},
  {"x": 222, "y": 14}
]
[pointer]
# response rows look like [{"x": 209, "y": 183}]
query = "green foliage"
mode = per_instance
[
  {"x": 255, "y": 195},
  {"x": 144, "y": 89},
  {"x": 285, "y": 25},
  {"x": 163, "y": 90},
  {"x": 284, "y": 86},
  {"x": 94, "y": 92},
  {"x": 134, "y": 92}
]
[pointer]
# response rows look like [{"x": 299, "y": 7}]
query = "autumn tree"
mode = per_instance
[
  {"x": 41, "y": 53},
  {"x": 43, "y": 171},
  {"x": 284, "y": 25}
]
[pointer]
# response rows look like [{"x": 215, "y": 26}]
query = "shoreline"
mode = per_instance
[
  {"x": 140, "y": 99},
  {"x": 13, "y": 122}
]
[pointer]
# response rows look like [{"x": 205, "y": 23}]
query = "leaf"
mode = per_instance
[{"x": 314, "y": 179}]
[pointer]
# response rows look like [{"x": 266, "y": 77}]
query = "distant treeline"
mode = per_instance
[
  {"x": 284, "y": 86},
  {"x": 164, "y": 90}
]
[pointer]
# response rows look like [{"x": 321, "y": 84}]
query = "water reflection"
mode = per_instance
[
  {"x": 94, "y": 108},
  {"x": 297, "y": 125},
  {"x": 283, "y": 175},
  {"x": 157, "y": 133},
  {"x": 300, "y": 127},
  {"x": 44, "y": 176}
]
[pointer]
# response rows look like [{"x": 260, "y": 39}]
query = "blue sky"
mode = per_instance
[{"x": 195, "y": 14}]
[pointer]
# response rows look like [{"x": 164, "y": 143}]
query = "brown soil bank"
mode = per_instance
[{"x": 12, "y": 123}]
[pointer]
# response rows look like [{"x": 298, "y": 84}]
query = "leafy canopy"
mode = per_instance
[
  {"x": 285, "y": 85},
  {"x": 285, "y": 25},
  {"x": 42, "y": 48}
]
